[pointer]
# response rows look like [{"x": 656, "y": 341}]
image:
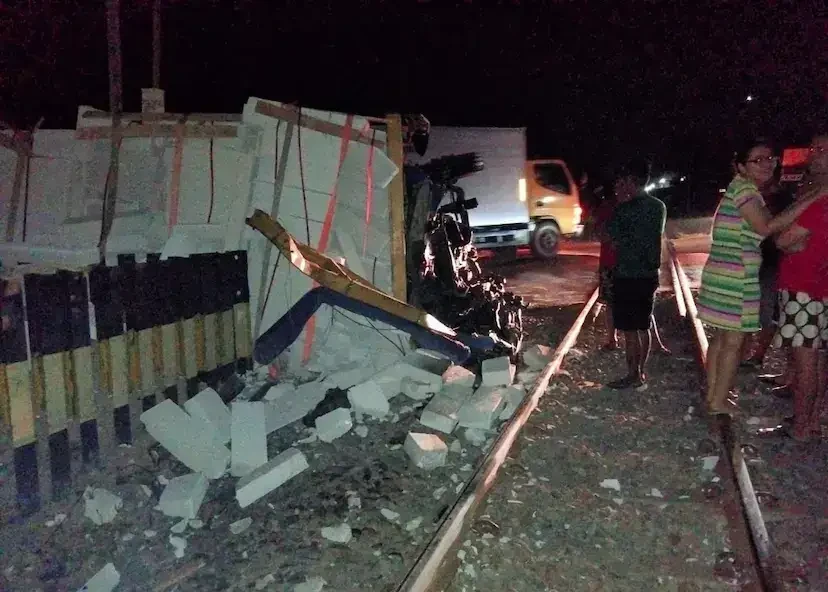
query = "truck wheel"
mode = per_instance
[{"x": 546, "y": 239}]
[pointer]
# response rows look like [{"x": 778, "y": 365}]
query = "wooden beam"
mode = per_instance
[
  {"x": 157, "y": 131},
  {"x": 327, "y": 272},
  {"x": 291, "y": 114},
  {"x": 396, "y": 209}
]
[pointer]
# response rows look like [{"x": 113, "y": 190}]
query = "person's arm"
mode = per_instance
[
  {"x": 793, "y": 239},
  {"x": 753, "y": 209}
]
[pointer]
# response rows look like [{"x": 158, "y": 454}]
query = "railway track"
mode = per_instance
[{"x": 714, "y": 514}]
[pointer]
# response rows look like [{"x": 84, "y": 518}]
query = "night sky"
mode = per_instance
[{"x": 663, "y": 79}]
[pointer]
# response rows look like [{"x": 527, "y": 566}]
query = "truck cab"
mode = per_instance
[{"x": 554, "y": 202}]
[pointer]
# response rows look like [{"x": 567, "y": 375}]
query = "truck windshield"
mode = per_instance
[{"x": 552, "y": 176}]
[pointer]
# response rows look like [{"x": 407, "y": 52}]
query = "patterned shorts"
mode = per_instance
[{"x": 802, "y": 321}]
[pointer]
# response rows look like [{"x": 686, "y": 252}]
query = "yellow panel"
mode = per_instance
[
  {"x": 190, "y": 347},
  {"x": 228, "y": 338},
  {"x": 83, "y": 383},
  {"x": 54, "y": 390},
  {"x": 241, "y": 312},
  {"x": 169, "y": 346},
  {"x": 200, "y": 346},
  {"x": 134, "y": 360},
  {"x": 69, "y": 382},
  {"x": 19, "y": 378},
  {"x": 210, "y": 342},
  {"x": 120, "y": 370},
  {"x": 147, "y": 367}
]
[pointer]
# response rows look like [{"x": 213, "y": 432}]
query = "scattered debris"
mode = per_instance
[
  {"x": 106, "y": 580},
  {"x": 709, "y": 462},
  {"x": 183, "y": 495},
  {"x": 265, "y": 581},
  {"x": 426, "y": 451},
  {"x": 239, "y": 526},
  {"x": 413, "y": 524},
  {"x": 611, "y": 484},
  {"x": 361, "y": 431},
  {"x": 179, "y": 544},
  {"x": 334, "y": 425},
  {"x": 390, "y": 514},
  {"x": 315, "y": 584},
  {"x": 338, "y": 534},
  {"x": 101, "y": 506}
]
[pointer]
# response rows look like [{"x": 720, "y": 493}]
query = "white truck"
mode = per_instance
[{"x": 520, "y": 202}]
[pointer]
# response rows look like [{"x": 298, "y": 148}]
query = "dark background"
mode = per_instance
[{"x": 592, "y": 83}]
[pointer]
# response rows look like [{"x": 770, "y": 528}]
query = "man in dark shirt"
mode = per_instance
[{"x": 636, "y": 230}]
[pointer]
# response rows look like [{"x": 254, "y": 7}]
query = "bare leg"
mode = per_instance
[
  {"x": 712, "y": 366},
  {"x": 821, "y": 395},
  {"x": 763, "y": 342},
  {"x": 633, "y": 347},
  {"x": 728, "y": 365},
  {"x": 805, "y": 390},
  {"x": 612, "y": 334},
  {"x": 657, "y": 336}
]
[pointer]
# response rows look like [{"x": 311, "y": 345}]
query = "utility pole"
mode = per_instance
[{"x": 156, "y": 44}]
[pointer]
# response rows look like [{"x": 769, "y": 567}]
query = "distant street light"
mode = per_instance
[{"x": 749, "y": 98}]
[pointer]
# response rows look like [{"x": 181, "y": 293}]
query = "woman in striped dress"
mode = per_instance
[{"x": 728, "y": 299}]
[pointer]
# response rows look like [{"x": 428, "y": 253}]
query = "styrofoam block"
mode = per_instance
[
  {"x": 187, "y": 438},
  {"x": 459, "y": 376},
  {"x": 482, "y": 409},
  {"x": 208, "y": 407},
  {"x": 333, "y": 425},
  {"x": 106, "y": 580},
  {"x": 390, "y": 378},
  {"x": 348, "y": 377},
  {"x": 419, "y": 391},
  {"x": 280, "y": 391},
  {"x": 270, "y": 476},
  {"x": 285, "y": 410},
  {"x": 426, "y": 451},
  {"x": 498, "y": 372},
  {"x": 183, "y": 495},
  {"x": 514, "y": 396},
  {"x": 441, "y": 414},
  {"x": 428, "y": 360},
  {"x": 537, "y": 357},
  {"x": 460, "y": 393},
  {"x": 248, "y": 446},
  {"x": 369, "y": 398}
]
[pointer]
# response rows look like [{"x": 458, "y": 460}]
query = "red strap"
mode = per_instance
[{"x": 324, "y": 236}]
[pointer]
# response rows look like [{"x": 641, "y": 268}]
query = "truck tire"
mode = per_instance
[{"x": 546, "y": 239}]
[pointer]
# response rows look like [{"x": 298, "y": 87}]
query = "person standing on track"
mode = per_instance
[
  {"x": 729, "y": 295},
  {"x": 803, "y": 301},
  {"x": 636, "y": 230}
]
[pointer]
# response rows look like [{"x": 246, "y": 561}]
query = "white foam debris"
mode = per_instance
[
  {"x": 361, "y": 431},
  {"x": 106, "y": 580},
  {"x": 280, "y": 391},
  {"x": 475, "y": 436},
  {"x": 265, "y": 581},
  {"x": 537, "y": 357},
  {"x": 611, "y": 484},
  {"x": 179, "y": 544},
  {"x": 315, "y": 584},
  {"x": 286, "y": 409},
  {"x": 418, "y": 391},
  {"x": 340, "y": 533},
  {"x": 426, "y": 451},
  {"x": 179, "y": 527},
  {"x": 390, "y": 514},
  {"x": 209, "y": 408},
  {"x": 369, "y": 399},
  {"x": 514, "y": 396},
  {"x": 249, "y": 438},
  {"x": 333, "y": 425},
  {"x": 482, "y": 409},
  {"x": 655, "y": 493},
  {"x": 101, "y": 506},
  {"x": 709, "y": 462},
  {"x": 497, "y": 371},
  {"x": 428, "y": 360},
  {"x": 413, "y": 524},
  {"x": 183, "y": 495},
  {"x": 270, "y": 476},
  {"x": 459, "y": 377},
  {"x": 239, "y": 526}
]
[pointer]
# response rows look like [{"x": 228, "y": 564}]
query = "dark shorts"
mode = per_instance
[
  {"x": 633, "y": 301},
  {"x": 768, "y": 302},
  {"x": 605, "y": 285}
]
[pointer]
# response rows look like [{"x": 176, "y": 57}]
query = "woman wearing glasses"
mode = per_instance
[{"x": 729, "y": 296}]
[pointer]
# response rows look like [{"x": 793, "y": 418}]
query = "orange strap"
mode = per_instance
[
  {"x": 324, "y": 236},
  {"x": 369, "y": 194}
]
